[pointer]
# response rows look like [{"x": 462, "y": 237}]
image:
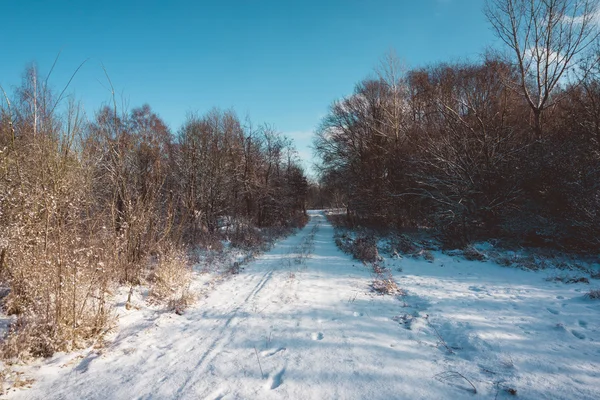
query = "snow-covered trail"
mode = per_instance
[
  {"x": 309, "y": 328},
  {"x": 307, "y": 322}
]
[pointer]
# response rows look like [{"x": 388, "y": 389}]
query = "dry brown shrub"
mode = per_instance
[
  {"x": 385, "y": 284},
  {"x": 364, "y": 248},
  {"x": 170, "y": 279},
  {"x": 55, "y": 260}
]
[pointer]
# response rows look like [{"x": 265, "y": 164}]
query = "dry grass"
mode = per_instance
[
  {"x": 383, "y": 282},
  {"x": 385, "y": 285},
  {"x": 170, "y": 279},
  {"x": 456, "y": 377}
]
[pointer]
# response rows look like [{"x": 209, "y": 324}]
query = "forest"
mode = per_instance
[{"x": 505, "y": 147}]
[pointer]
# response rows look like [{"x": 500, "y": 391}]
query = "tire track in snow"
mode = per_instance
[
  {"x": 224, "y": 335},
  {"x": 221, "y": 338}
]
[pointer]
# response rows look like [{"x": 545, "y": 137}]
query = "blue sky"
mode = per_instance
[{"x": 281, "y": 62}]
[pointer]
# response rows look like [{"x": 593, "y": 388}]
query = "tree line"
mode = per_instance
[
  {"x": 507, "y": 146},
  {"x": 88, "y": 204}
]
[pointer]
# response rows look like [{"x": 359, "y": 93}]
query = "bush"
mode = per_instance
[
  {"x": 170, "y": 279},
  {"x": 402, "y": 243},
  {"x": 248, "y": 238},
  {"x": 593, "y": 294},
  {"x": 472, "y": 254},
  {"x": 364, "y": 248},
  {"x": 384, "y": 284},
  {"x": 568, "y": 279},
  {"x": 343, "y": 241},
  {"x": 426, "y": 254},
  {"x": 55, "y": 259}
]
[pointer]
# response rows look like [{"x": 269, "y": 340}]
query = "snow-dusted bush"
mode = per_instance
[
  {"x": 247, "y": 238},
  {"x": 593, "y": 294},
  {"x": 384, "y": 284},
  {"x": 568, "y": 279},
  {"x": 364, "y": 248},
  {"x": 55, "y": 256},
  {"x": 383, "y": 281},
  {"x": 170, "y": 279},
  {"x": 426, "y": 254},
  {"x": 402, "y": 243},
  {"x": 472, "y": 254}
]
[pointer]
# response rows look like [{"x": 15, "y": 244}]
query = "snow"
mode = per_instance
[{"x": 300, "y": 322}]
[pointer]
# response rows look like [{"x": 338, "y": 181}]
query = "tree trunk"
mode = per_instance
[{"x": 537, "y": 123}]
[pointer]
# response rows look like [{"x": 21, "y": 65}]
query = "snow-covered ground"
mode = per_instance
[{"x": 308, "y": 327}]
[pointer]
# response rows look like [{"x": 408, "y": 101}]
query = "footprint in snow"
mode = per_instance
[
  {"x": 578, "y": 334},
  {"x": 583, "y": 324},
  {"x": 317, "y": 336},
  {"x": 273, "y": 352},
  {"x": 218, "y": 394},
  {"x": 277, "y": 380},
  {"x": 84, "y": 365},
  {"x": 552, "y": 311}
]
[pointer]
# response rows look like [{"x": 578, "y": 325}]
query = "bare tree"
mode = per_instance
[{"x": 546, "y": 38}]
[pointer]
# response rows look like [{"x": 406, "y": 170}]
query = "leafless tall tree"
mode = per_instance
[{"x": 546, "y": 38}]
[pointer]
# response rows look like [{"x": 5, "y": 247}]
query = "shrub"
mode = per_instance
[
  {"x": 384, "y": 284},
  {"x": 426, "y": 254},
  {"x": 344, "y": 242},
  {"x": 170, "y": 279},
  {"x": 380, "y": 268},
  {"x": 472, "y": 254},
  {"x": 55, "y": 258},
  {"x": 234, "y": 268},
  {"x": 593, "y": 294},
  {"x": 364, "y": 248},
  {"x": 248, "y": 238},
  {"x": 402, "y": 243}
]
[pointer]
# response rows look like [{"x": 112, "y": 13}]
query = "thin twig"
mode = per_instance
[
  {"x": 439, "y": 336},
  {"x": 67, "y": 85},
  {"x": 52, "y": 69},
  {"x": 259, "y": 366},
  {"x": 449, "y": 374}
]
